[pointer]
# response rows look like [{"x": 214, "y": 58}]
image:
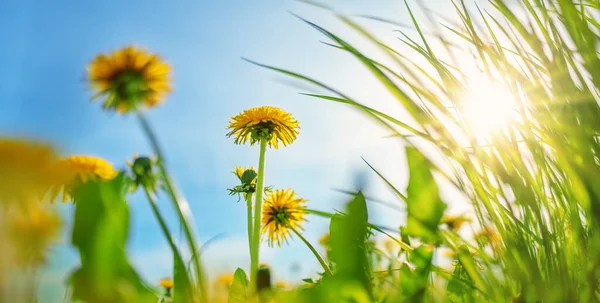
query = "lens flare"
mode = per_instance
[{"x": 488, "y": 107}]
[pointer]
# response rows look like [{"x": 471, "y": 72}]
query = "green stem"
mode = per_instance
[
  {"x": 258, "y": 212},
  {"x": 179, "y": 203},
  {"x": 161, "y": 221},
  {"x": 314, "y": 251},
  {"x": 250, "y": 230},
  {"x": 163, "y": 226}
]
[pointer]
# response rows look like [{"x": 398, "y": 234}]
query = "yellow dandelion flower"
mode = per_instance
[
  {"x": 90, "y": 168},
  {"x": 389, "y": 245},
  {"x": 449, "y": 253},
  {"x": 31, "y": 231},
  {"x": 166, "y": 283},
  {"x": 128, "y": 78},
  {"x": 455, "y": 222},
  {"x": 225, "y": 280},
  {"x": 281, "y": 285},
  {"x": 28, "y": 170},
  {"x": 489, "y": 235},
  {"x": 324, "y": 240},
  {"x": 84, "y": 169},
  {"x": 281, "y": 213},
  {"x": 272, "y": 123}
]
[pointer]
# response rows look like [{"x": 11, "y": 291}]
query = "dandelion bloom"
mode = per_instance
[
  {"x": 389, "y": 245},
  {"x": 129, "y": 78},
  {"x": 271, "y": 123},
  {"x": 449, "y": 253},
  {"x": 281, "y": 213},
  {"x": 489, "y": 235},
  {"x": 455, "y": 222},
  {"x": 225, "y": 280},
  {"x": 31, "y": 231},
  {"x": 28, "y": 170},
  {"x": 324, "y": 240},
  {"x": 166, "y": 283},
  {"x": 281, "y": 285},
  {"x": 84, "y": 169}
]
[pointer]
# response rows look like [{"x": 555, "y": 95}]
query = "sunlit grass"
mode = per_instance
[{"x": 488, "y": 107}]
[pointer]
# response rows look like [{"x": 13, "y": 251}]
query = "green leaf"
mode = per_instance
[
  {"x": 182, "y": 288},
  {"x": 414, "y": 282},
  {"x": 239, "y": 288},
  {"x": 460, "y": 286},
  {"x": 424, "y": 206},
  {"x": 348, "y": 235},
  {"x": 100, "y": 231}
]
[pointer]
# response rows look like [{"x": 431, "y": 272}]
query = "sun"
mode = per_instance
[{"x": 488, "y": 107}]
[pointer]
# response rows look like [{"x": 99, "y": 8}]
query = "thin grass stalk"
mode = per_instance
[
  {"x": 163, "y": 226},
  {"x": 258, "y": 212},
  {"x": 314, "y": 251},
  {"x": 180, "y": 204}
]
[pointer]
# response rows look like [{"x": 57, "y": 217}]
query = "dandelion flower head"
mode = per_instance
[
  {"x": 129, "y": 78},
  {"x": 269, "y": 122},
  {"x": 282, "y": 212}
]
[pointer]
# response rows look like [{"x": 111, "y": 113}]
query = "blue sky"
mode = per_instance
[{"x": 47, "y": 44}]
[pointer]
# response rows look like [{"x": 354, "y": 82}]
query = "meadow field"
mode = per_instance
[{"x": 492, "y": 110}]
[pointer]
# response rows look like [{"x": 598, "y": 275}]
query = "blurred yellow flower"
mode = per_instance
[
  {"x": 449, "y": 253},
  {"x": 225, "y": 280},
  {"x": 281, "y": 213},
  {"x": 166, "y": 283},
  {"x": 389, "y": 245},
  {"x": 272, "y": 123},
  {"x": 128, "y": 78},
  {"x": 324, "y": 240},
  {"x": 281, "y": 285},
  {"x": 455, "y": 222},
  {"x": 84, "y": 169},
  {"x": 90, "y": 168},
  {"x": 489, "y": 235},
  {"x": 28, "y": 170},
  {"x": 31, "y": 231}
]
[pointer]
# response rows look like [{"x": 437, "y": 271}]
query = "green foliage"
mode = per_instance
[
  {"x": 414, "y": 282},
  {"x": 532, "y": 184},
  {"x": 239, "y": 288},
  {"x": 348, "y": 235},
  {"x": 183, "y": 290},
  {"x": 100, "y": 232},
  {"x": 351, "y": 280},
  {"x": 424, "y": 206}
]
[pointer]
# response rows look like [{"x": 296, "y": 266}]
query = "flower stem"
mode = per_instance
[
  {"x": 250, "y": 226},
  {"x": 258, "y": 212},
  {"x": 164, "y": 228},
  {"x": 314, "y": 251},
  {"x": 179, "y": 203}
]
